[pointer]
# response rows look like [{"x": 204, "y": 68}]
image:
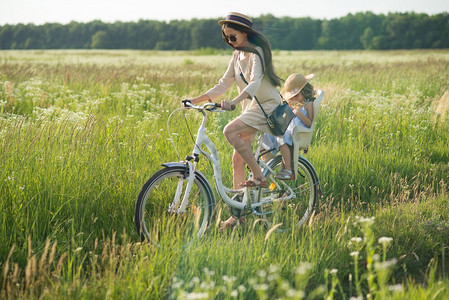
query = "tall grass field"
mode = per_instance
[{"x": 82, "y": 131}]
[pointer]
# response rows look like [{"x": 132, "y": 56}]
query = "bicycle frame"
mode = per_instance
[{"x": 213, "y": 156}]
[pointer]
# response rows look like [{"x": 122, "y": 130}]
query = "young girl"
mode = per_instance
[{"x": 299, "y": 94}]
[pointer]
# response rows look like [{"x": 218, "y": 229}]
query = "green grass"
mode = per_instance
[{"x": 81, "y": 131}]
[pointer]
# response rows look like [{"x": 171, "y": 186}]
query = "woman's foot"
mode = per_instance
[
  {"x": 285, "y": 175},
  {"x": 255, "y": 182},
  {"x": 230, "y": 223}
]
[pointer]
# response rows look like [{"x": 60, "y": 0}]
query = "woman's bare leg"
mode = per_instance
[
  {"x": 239, "y": 136},
  {"x": 238, "y": 170}
]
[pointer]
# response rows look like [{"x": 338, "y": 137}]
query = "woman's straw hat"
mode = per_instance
[
  {"x": 295, "y": 83},
  {"x": 237, "y": 18}
]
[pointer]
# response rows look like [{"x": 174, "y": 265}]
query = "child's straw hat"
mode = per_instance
[{"x": 295, "y": 83}]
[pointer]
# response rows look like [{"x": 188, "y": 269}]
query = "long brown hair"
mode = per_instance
[{"x": 258, "y": 39}]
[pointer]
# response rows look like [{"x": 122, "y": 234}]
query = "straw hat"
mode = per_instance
[
  {"x": 237, "y": 18},
  {"x": 295, "y": 83}
]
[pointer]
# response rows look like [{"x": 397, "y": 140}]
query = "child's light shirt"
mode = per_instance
[{"x": 272, "y": 142}]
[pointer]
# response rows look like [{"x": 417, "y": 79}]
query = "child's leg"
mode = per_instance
[
  {"x": 286, "y": 156},
  {"x": 286, "y": 173}
]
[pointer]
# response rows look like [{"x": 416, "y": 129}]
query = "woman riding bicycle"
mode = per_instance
[{"x": 251, "y": 68}]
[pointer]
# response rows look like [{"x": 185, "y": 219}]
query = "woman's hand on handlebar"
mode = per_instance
[{"x": 227, "y": 105}]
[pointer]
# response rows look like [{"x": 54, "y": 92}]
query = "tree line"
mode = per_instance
[{"x": 353, "y": 31}]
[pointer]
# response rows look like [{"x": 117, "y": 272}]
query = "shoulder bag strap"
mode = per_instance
[{"x": 246, "y": 82}]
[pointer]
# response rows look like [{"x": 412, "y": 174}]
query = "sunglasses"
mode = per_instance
[{"x": 231, "y": 38}]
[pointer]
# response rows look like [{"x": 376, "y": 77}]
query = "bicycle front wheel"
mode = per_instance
[
  {"x": 160, "y": 212},
  {"x": 294, "y": 211}
]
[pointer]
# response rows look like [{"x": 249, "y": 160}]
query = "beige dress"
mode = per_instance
[{"x": 259, "y": 85}]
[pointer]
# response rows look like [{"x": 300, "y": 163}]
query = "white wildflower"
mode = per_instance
[
  {"x": 195, "y": 280},
  {"x": 261, "y": 287},
  {"x": 208, "y": 272},
  {"x": 285, "y": 285},
  {"x": 303, "y": 268},
  {"x": 273, "y": 269},
  {"x": 227, "y": 279},
  {"x": 241, "y": 288},
  {"x": 365, "y": 220},
  {"x": 195, "y": 296},
  {"x": 292, "y": 293},
  {"x": 385, "y": 240},
  {"x": 354, "y": 253},
  {"x": 356, "y": 240},
  {"x": 386, "y": 264},
  {"x": 396, "y": 288}
]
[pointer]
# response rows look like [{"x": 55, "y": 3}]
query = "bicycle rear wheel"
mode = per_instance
[
  {"x": 290, "y": 213},
  {"x": 157, "y": 214}
]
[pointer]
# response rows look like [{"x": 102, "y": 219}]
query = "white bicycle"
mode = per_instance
[{"x": 178, "y": 200}]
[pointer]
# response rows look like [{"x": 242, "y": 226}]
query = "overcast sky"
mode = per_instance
[{"x": 65, "y": 11}]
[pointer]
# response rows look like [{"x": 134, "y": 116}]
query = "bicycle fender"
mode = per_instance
[
  {"x": 310, "y": 164},
  {"x": 174, "y": 164}
]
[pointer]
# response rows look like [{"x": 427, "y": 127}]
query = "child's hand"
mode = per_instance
[{"x": 294, "y": 104}]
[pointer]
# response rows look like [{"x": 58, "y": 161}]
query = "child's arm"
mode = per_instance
[{"x": 306, "y": 120}]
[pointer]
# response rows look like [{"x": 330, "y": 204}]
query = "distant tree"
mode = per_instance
[
  {"x": 307, "y": 32},
  {"x": 36, "y": 39},
  {"x": 20, "y": 35},
  {"x": 353, "y": 31},
  {"x": 350, "y": 29},
  {"x": 204, "y": 34},
  {"x": 100, "y": 40},
  {"x": 182, "y": 34},
  {"x": 290, "y": 35},
  {"x": 78, "y": 36},
  {"x": 378, "y": 43},
  {"x": 167, "y": 34},
  {"x": 367, "y": 38},
  {"x": 441, "y": 25},
  {"x": 116, "y": 36},
  {"x": 329, "y": 35},
  {"x": 6, "y": 36},
  {"x": 434, "y": 31},
  {"x": 144, "y": 34},
  {"x": 273, "y": 30},
  {"x": 57, "y": 36},
  {"x": 371, "y": 24},
  {"x": 397, "y": 31}
]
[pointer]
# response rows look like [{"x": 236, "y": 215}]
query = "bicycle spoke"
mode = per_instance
[{"x": 295, "y": 199}]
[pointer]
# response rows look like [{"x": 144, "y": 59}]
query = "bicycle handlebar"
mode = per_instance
[{"x": 207, "y": 106}]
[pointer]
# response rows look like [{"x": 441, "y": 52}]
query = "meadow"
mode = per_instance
[{"x": 81, "y": 131}]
